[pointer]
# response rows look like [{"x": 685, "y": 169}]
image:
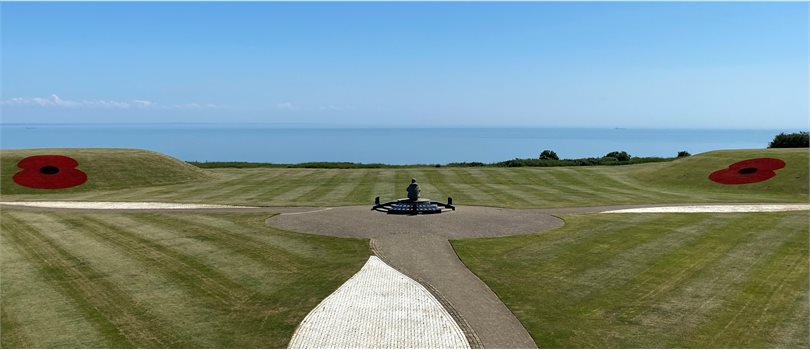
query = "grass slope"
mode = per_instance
[
  {"x": 690, "y": 173},
  {"x": 680, "y": 181},
  {"x": 114, "y": 280},
  {"x": 106, "y": 169},
  {"x": 655, "y": 280}
]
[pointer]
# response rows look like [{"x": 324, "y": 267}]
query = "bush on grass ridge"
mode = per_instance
[
  {"x": 621, "y": 156},
  {"x": 549, "y": 154},
  {"x": 792, "y": 140}
]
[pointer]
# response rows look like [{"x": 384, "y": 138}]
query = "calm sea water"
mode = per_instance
[{"x": 262, "y": 143}]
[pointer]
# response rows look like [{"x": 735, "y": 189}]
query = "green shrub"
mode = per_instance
[
  {"x": 549, "y": 154},
  {"x": 517, "y": 162},
  {"x": 621, "y": 156},
  {"x": 682, "y": 154},
  {"x": 793, "y": 140}
]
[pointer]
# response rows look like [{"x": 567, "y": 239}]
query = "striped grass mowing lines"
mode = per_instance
[
  {"x": 269, "y": 183},
  {"x": 464, "y": 192},
  {"x": 157, "y": 192},
  {"x": 12, "y": 335},
  {"x": 794, "y": 332},
  {"x": 765, "y": 299},
  {"x": 291, "y": 242},
  {"x": 634, "y": 260},
  {"x": 232, "y": 191},
  {"x": 704, "y": 295},
  {"x": 482, "y": 183},
  {"x": 122, "y": 321},
  {"x": 514, "y": 195},
  {"x": 161, "y": 294},
  {"x": 34, "y": 312},
  {"x": 564, "y": 245},
  {"x": 571, "y": 178},
  {"x": 197, "y": 277},
  {"x": 184, "y": 192},
  {"x": 436, "y": 184},
  {"x": 270, "y": 255},
  {"x": 299, "y": 186},
  {"x": 504, "y": 177},
  {"x": 597, "y": 251},
  {"x": 673, "y": 270},
  {"x": 236, "y": 268},
  {"x": 482, "y": 179},
  {"x": 133, "y": 280},
  {"x": 507, "y": 182},
  {"x": 385, "y": 184},
  {"x": 341, "y": 186},
  {"x": 293, "y": 194},
  {"x": 329, "y": 179},
  {"x": 595, "y": 184},
  {"x": 536, "y": 186},
  {"x": 754, "y": 304},
  {"x": 303, "y": 246},
  {"x": 572, "y": 192},
  {"x": 621, "y": 178},
  {"x": 244, "y": 192},
  {"x": 401, "y": 181},
  {"x": 364, "y": 193},
  {"x": 538, "y": 196},
  {"x": 729, "y": 249},
  {"x": 684, "y": 292},
  {"x": 607, "y": 180},
  {"x": 224, "y": 184},
  {"x": 777, "y": 295},
  {"x": 584, "y": 285},
  {"x": 537, "y": 179}
]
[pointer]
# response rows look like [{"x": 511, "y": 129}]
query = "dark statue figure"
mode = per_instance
[
  {"x": 414, "y": 190},
  {"x": 413, "y": 205}
]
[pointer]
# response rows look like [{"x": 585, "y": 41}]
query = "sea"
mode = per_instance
[{"x": 270, "y": 143}]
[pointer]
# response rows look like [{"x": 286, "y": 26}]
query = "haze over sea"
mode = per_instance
[{"x": 271, "y": 143}]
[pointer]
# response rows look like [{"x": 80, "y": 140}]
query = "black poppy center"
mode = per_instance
[
  {"x": 49, "y": 170},
  {"x": 747, "y": 171}
]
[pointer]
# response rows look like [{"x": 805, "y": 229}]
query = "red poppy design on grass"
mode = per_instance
[
  {"x": 49, "y": 172},
  {"x": 748, "y": 171}
]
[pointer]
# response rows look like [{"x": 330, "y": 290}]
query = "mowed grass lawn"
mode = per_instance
[
  {"x": 655, "y": 280},
  {"x": 180, "y": 280},
  {"x": 129, "y": 175}
]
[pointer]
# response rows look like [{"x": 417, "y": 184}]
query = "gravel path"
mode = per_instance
[
  {"x": 418, "y": 246},
  {"x": 379, "y": 307}
]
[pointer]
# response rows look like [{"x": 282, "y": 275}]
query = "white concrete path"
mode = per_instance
[
  {"x": 730, "y": 208},
  {"x": 120, "y": 205},
  {"x": 379, "y": 307}
]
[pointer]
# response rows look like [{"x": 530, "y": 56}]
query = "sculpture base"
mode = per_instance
[{"x": 406, "y": 206}]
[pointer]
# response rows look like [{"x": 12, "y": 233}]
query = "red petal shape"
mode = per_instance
[
  {"x": 49, "y": 172},
  {"x": 748, "y": 171}
]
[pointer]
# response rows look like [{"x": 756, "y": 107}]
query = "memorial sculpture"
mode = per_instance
[
  {"x": 413, "y": 190},
  {"x": 414, "y": 204}
]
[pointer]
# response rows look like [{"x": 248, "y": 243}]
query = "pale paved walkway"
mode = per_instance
[
  {"x": 120, "y": 205},
  {"x": 379, "y": 307},
  {"x": 727, "y": 208}
]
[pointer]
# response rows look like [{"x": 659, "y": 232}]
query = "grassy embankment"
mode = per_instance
[
  {"x": 115, "y": 280},
  {"x": 193, "y": 280},
  {"x": 655, "y": 280},
  {"x": 113, "y": 175}
]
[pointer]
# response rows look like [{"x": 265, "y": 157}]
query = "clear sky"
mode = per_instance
[{"x": 633, "y": 65}]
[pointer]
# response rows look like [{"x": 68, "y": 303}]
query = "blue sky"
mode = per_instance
[{"x": 634, "y": 65}]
